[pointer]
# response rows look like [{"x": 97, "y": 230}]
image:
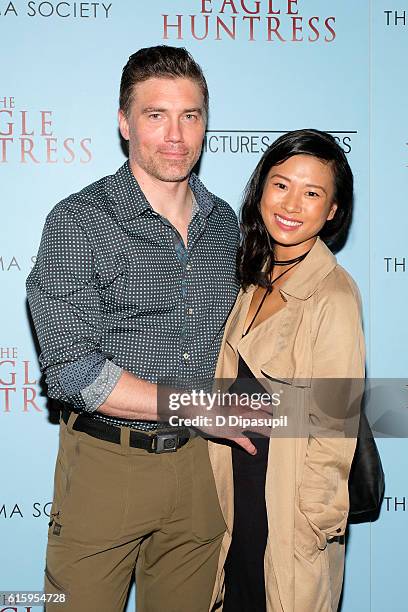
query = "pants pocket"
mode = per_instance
[
  {"x": 56, "y": 594},
  {"x": 51, "y": 585},
  {"x": 95, "y": 506},
  {"x": 207, "y": 519},
  {"x": 64, "y": 468}
]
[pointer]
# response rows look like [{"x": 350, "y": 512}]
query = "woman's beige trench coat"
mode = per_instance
[{"x": 317, "y": 335}]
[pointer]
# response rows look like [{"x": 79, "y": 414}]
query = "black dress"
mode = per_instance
[{"x": 244, "y": 566}]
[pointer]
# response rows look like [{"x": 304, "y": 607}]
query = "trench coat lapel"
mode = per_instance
[
  {"x": 227, "y": 366},
  {"x": 282, "y": 326}
]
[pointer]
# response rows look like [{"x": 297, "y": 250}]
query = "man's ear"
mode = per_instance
[
  {"x": 332, "y": 211},
  {"x": 123, "y": 124}
]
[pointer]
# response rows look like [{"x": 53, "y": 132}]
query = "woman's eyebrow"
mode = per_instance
[
  {"x": 280, "y": 176},
  {"x": 317, "y": 187}
]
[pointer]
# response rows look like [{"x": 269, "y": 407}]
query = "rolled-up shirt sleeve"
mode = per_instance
[
  {"x": 99, "y": 390},
  {"x": 65, "y": 306}
]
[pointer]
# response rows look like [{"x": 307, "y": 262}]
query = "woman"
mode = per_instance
[{"x": 296, "y": 322}]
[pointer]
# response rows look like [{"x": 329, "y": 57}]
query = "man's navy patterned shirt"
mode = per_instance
[{"x": 114, "y": 283}]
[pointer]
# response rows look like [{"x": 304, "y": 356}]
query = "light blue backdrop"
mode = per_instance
[{"x": 59, "y": 82}]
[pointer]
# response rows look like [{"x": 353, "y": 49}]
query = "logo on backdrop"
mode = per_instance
[
  {"x": 395, "y": 504},
  {"x": 18, "y": 383},
  {"x": 396, "y": 18},
  {"x": 17, "y": 609},
  {"x": 30, "y": 137},
  {"x": 395, "y": 264},
  {"x": 270, "y": 20},
  {"x": 58, "y": 10},
  {"x": 14, "y": 263},
  {"x": 42, "y": 509},
  {"x": 257, "y": 141},
  {"x": 16, "y": 510}
]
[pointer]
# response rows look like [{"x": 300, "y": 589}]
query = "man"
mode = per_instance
[{"x": 134, "y": 280}]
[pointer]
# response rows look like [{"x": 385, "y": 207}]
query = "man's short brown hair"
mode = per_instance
[{"x": 159, "y": 62}]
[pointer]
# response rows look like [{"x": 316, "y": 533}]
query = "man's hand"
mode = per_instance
[
  {"x": 246, "y": 444},
  {"x": 229, "y": 422}
]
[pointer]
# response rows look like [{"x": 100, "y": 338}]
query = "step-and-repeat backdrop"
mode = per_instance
[{"x": 272, "y": 66}]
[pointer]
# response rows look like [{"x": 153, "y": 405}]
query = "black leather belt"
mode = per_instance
[{"x": 165, "y": 441}]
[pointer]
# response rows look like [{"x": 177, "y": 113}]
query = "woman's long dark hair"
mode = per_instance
[{"x": 255, "y": 255}]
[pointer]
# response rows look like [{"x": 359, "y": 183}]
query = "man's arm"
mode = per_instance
[
  {"x": 66, "y": 310},
  {"x": 131, "y": 398}
]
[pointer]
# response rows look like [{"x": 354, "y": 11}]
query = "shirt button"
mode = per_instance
[
  {"x": 188, "y": 267},
  {"x": 190, "y": 311},
  {"x": 186, "y": 356}
]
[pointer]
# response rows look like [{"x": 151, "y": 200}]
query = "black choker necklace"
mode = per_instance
[{"x": 288, "y": 262}]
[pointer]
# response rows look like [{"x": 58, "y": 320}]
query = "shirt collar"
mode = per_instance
[
  {"x": 307, "y": 276},
  {"x": 125, "y": 191},
  {"x": 206, "y": 201},
  {"x": 194, "y": 206}
]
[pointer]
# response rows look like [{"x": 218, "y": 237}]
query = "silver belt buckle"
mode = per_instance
[{"x": 166, "y": 443}]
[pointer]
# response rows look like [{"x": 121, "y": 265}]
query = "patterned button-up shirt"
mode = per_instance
[{"x": 114, "y": 283}]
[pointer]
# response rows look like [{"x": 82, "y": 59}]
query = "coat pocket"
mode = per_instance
[
  {"x": 309, "y": 540},
  {"x": 285, "y": 373}
]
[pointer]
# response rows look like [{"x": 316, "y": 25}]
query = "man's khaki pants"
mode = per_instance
[{"x": 120, "y": 511}]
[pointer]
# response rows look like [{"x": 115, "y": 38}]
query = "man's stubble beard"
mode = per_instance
[
  {"x": 174, "y": 171},
  {"x": 168, "y": 173}
]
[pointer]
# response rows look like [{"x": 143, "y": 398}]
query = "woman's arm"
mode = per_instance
[{"x": 336, "y": 392}]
